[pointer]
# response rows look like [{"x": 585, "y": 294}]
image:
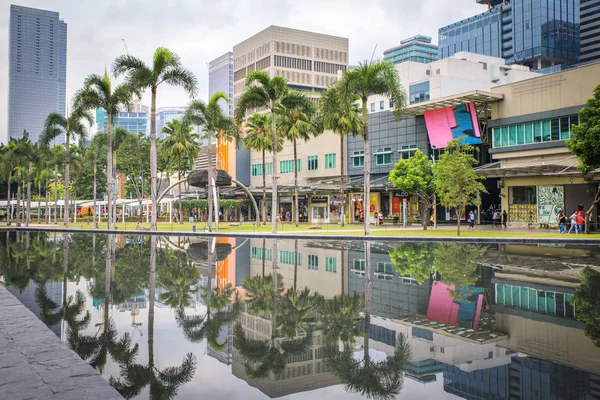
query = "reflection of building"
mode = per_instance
[
  {"x": 529, "y": 127},
  {"x": 444, "y": 308},
  {"x": 535, "y": 33},
  {"x": 37, "y": 70},
  {"x": 302, "y": 373}
]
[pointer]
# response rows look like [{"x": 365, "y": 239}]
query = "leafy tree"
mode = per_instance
[
  {"x": 297, "y": 122},
  {"x": 264, "y": 91},
  {"x": 339, "y": 112},
  {"x": 29, "y": 154},
  {"x": 415, "y": 260},
  {"x": 258, "y": 137},
  {"x": 457, "y": 184},
  {"x": 457, "y": 264},
  {"x": 181, "y": 144},
  {"x": 584, "y": 141},
  {"x": 587, "y": 303},
  {"x": 133, "y": 157},
  {"x": 98, "y": 92},
  {"x": 414, "y": 176},
  {"x": 371, "y": 78},
  {"x": 165, "y": 68}
]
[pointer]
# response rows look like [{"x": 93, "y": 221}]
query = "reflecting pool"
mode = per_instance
[{"x": 248, "y": 318}]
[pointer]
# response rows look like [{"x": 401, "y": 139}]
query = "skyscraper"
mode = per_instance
[
  {"x": 37, "y": 70},
  {"x": 134, "y": 120},
  {"x": 417, "y": 48},
  {"x": 590, "y": 30},
  {"x": 535, "y": 33},
  {"x": 220, "y": 79}
]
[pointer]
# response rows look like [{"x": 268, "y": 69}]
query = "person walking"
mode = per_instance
[
  {"x": 562, "y": 219},
  {"x": 380, "y": 216},
  {"x": 471, "y": 220},
  {"x": 580, "y": 221},
  {"x": 504, "y": 219},
  {"x": 573, "y": 219}
]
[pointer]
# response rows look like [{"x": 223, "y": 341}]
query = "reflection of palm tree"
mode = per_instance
[
  {"x": 208, "y": 326},
  {"x": 177, "y": 276},
  {"x": 378, "y": 380},
  {"x": 72, "y": 307},
  {"x": 134, "y": 377},
  {"x": 296, "y": 313},
  {"x": 340, "y": 317},
  {"x": 259, "y": 294}
]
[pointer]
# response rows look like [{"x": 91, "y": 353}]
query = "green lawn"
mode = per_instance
[{"x": 348, "y": 230}]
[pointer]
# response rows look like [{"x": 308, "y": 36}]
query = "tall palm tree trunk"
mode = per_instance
[
  {"x": 295, "y": 264},
  {"x": 275, "y": 291},
  {"x": 264, "y": 196},
  {"x": 180, "y": 211},
  {"x": 67, "y": 161},
  {"x": 65, "y": 270},
  {"x": 153, "y": 165},
  {"x": 296, "y": 210},
  {"x": 109, "y": 172},
  {"x": 107, "y": 271},
  {"x": 9, "y": 206},
  {"x": 343, "y": 203},
  {"x": 368, "y": 302},
  {"x": 274, "y": 206},
  {"x": 47, "y": 203},
  {"x": 55, "y": 194},
  {"x": 95, "y": 211},
  {"x": 18, "y": 217},
  {"x": 39, "y": 212},
  {"x": 29, "y": 179},
  {"x": 151, "y": 298},
  {"x": 116, "y": 183},
  {"x": 209, "y": 197},
  {"x": 367, "y": 167},
  {"x": 264, "y": 251}
]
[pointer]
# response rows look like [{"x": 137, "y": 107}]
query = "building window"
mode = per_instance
[
  {"x": 391, "y": 103},
  {"x": 313, "y": 163},
  {"x": 385, "y": 268},
  {"x": 330, "y": 160},
  {"x": 548, "y": 130},
  {"x": 383, "y": 156},
  {"x": 287, "y": 257},
  {"x": 313, "y": 262},
  {"x": 372, "y": 107},
  {"x": 358, "y": 265},
  {"x": 407, "y": 151},
  {"x": 257, "y": 253},
  {"x": 418, "y": 92},
  {"x": 330, "y": 264},
  {"x": 268, "y": 168},
  {"x": 381, "y": 105},
  {"x": 358, "y": 159},
  {"x": 287, "y": 166},
  {"x": 534, "y": 300},
  {"x": 257, "y": 169}
]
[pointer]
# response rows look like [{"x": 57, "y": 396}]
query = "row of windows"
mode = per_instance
[
  {"x": 287, "y": 257},
  {"x": 382, "y": 105},
  {"x": 383, "y": 156},
  {"x": 292, "y": 62},
  {"x": 534, "y": 132},
  {"x": 541, "y": 301},
  {"x": 313, "y": 163},
  {"x": 257, "y": 253},
  {"x": 328, "y": 68},
  {"x": 287, "y": 166},
  {"x": 257, "y": 169}
]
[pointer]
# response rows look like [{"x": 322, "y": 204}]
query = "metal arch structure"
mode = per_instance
[{"x": 244, "y": 188}]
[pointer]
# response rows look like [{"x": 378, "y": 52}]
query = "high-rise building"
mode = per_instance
[
  {"x": 220, "y": 79},
  {"x": 536, "y": 33},
  {"x": 417, "y": 48},
  {"x": 589, "y": 13},
  {"x": 308, "y": 62},
  {"x": 37, "y": 70},
  {"x": 165, "y": 115},
  {"x": 134, "y": 121}
]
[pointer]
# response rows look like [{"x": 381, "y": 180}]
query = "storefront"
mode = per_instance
[{"x": 319, "y": 209}]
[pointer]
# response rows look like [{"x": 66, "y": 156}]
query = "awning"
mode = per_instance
[
  {"x": 495, "y": 170},
  {"x": 477, "y": 97}
]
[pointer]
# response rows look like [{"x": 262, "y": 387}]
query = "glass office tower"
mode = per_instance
[
  {"x": 536, "y": 33},
  {"x": 590, "y": 30},
  {"x": 417, "y": 48},
  {"x": 37, "y": 70}
]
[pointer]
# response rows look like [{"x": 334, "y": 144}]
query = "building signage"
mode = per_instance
[
  {"x": 29, "y": 10},
  {"x": 401, "y": 195},
  {"x": 336, "y": 200},
  {"x": 319, "y": 199},
  {"x": 550, "y": 200}
]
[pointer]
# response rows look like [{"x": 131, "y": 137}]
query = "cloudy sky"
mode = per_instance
[{"x": 201, "y": 30}]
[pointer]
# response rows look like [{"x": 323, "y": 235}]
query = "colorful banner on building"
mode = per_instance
[{"x": 452, "y": 122}]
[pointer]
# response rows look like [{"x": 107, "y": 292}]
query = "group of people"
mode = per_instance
[
  {"x": 577, "y": 220},
  {"x": 378, "y": 218}
]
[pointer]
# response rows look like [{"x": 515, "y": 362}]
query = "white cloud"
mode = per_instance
[{"x": 200, "y": 31}]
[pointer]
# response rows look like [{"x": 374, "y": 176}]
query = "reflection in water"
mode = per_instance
[{"x": 497, "y": 321}]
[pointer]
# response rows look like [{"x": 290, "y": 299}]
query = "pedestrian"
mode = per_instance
[
  {"x": 580, "y": 221},
  {"x": 475, "y": 215},
  {"x": 573, "y": 219},
  {"x": 380, "y": 216},
  {"x": 562, "y": 219},
  {"x": 496, "y": 218},
  {"x": 432, "y": 219},
  {"x": 471, "y": 220},
  {"x": 504, "y": 218}
]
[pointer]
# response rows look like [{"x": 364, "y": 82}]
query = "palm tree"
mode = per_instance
[
  {"x": 97, "y": 92},
  {"x": 367, "y": 79},
  {"x": 263, "y": 91},
  {"x": 215, "y": 123},
  {"x": 42, "y": 177},
  {"x": 258, "y": 137},
  {"x": 97, "y": 154},
  {"x": 296, "y": 313},
  {"x": 340, "y": 317},
  {"x": 339, "y": 112},
  {"x": 6, "y": 171},
  {"x": 57, "y": 158},
  {"x": 182, "y": 144},
  {"x": 166, "y": 68},
  {"x": 55, "y": 126},
  {"x": 297, "y": 122}
]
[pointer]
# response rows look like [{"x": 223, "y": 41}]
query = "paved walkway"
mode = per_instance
[{"x": 36, "y": 364}]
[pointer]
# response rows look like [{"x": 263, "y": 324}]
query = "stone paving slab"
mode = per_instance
[{"x": 36, "y": 364}]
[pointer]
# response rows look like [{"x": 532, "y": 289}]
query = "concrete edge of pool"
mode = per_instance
[
  {"x": 36, "y": 364},
  {"x": 512, "y": 240}
]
